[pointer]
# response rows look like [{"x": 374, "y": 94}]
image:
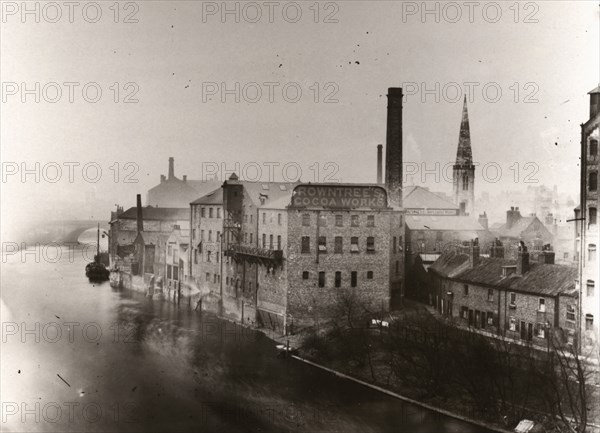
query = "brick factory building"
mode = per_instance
[
  {"x": 522, "y": 300},
  {"x": 283, "y": 254},
  {"x": 587, "y": 233}
]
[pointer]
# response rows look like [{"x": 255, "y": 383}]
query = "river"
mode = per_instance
[{"x": 78, "y": 356}]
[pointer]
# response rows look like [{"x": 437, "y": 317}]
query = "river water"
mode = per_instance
[{"x": 78, "y": 356}]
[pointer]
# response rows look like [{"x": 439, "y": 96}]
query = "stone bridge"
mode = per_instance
[{"x": 61, "y": 231}]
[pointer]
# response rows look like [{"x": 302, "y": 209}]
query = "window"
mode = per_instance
[
  {"x": 322, "y": 220},
  {"x": 353, "y": 277},
  {"x": 196, "y": 256},
  {"x": 169, "y": 270},
  {"x": 339, "y": 220},
  {"x": 439, "y": 236},
  {"x": 589, "y": 322},
  {"x": 513, "y": 299},
  {"x": 593, "y": 147},
  {"x": 170, "y": 250},
  {"x": 306, "y": 220},
  {"x": 466, "y": 289},
  {"x": 207, "y": 277},
  {"x": 540, "y": 331},
  {"x": 397, "y": 267},
  {"x": 210, "y": 212},
  {"x": 464, "y": 312},
  {"x": 465, "y": 179},
  {"x": 571, "y": 312},
  {"x": 321, "y": 279},
  {"x": 338, "y": 279},
  {"x": 226, "y": 281},
  {"x": 593, "y": 219},
  {"x": 512, "y": 324},
  {"x": 370, "y": 244},
  {"x": 251, "y": 218},
  {"x": 337, "y": 249},
  {"x": 218, "y": 212},
  {"x": 305, "y": 245},
  {"x": 279, "y": 242},
  {"x": 279, "y": 218},
  {"x": 193, "y": 234},
  {"x": 264, "y": 240},
  {"x": 251, "y": 237},
  {"x": 270, "y": 242},
  {"x": 590, "y": 288},
  {"x": 542, "y": 305},
  {"x": 490, "y": 318},
  {"x": 203, "y": 212},
  {"x": 369, "y": 275},
  {"x": 210, "y": 235},
  {"x": 305, "y": 275},
  {"x": 395, "y": 245},
  {"x": 490, "y": 294},
  {"x": 264, "y": 218},
  {"x": 354, "y": 220},
  {"x": 215, "y": 278},
  {"x": 322, "y": 244},
  {"x": 399, "y": 243},
  {"x": 591, "y": 252},
  {"x": 208, "y": 255},
  {"x": 354, "y": 244},
  {"x": 593, "y": 181},
  {"x": 218, "y": 236},
  {"x": 370, "y": 220}
]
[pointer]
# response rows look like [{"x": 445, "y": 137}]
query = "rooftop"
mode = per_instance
[
  {"x": 541, "y": 278},
  {"x": 448, "y": 222}
]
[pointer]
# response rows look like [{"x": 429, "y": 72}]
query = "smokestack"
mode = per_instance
[
  {"x": 140, "y": 218},
  {"x": 594, "y": 102},
  {"x": 171, "y": 168},
  {"x": 379, "y": 163},
  {"x": 393, "y": 146},
  {"x": 473, "y": 251}
]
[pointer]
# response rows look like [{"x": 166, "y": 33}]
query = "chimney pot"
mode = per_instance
[{"x": 185, "y": 177}]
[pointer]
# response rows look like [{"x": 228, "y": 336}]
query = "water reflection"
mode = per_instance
[{"x": 156, "y": 366}]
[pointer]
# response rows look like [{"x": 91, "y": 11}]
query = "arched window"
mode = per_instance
[
  {"x": 593, "y": 181},
  {"x": 465, "y": 181},
  {"x": 589, "y": 322}
]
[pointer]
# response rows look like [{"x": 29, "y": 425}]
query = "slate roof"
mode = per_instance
[
  {"x": 213, "y": 197},
  {"x": 541, "y": 278},
  {"x": 417, "y": 197},
  {"x": 519, "y": 227},
  {"x": 446, "y": 222},
  {"x": 157, "y": 213}
]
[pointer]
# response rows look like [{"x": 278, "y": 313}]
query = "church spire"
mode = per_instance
[{"x": 464, "y": 155}]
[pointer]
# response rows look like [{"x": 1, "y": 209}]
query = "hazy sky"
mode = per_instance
[{"x": 173, "y": 49}]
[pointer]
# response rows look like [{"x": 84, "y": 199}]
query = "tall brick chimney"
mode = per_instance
[
  {"x": 497, "y": 249},
  {"x": 140, "y": 218},
  {"x": 594, "y": 102},
  {"x": 548, "y": 255},
  {"x": 171, "y": 168},
  {"x": 379, "y": 164},
  {"x": 522, "y": 259},
  {"x": 512, "y": 216},
  {"x": 483, "y": 220},
  {"x": 473, "y": 252},
  {"x": 393, "y": 146}
]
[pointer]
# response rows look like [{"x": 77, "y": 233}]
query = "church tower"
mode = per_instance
[{"x": 463, "y": 175}]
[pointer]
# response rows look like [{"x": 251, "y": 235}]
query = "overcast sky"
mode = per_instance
[{"x": 173, "y": 49}]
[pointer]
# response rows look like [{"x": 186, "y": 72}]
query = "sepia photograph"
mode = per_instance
[{"x": 311, "y": 216}]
